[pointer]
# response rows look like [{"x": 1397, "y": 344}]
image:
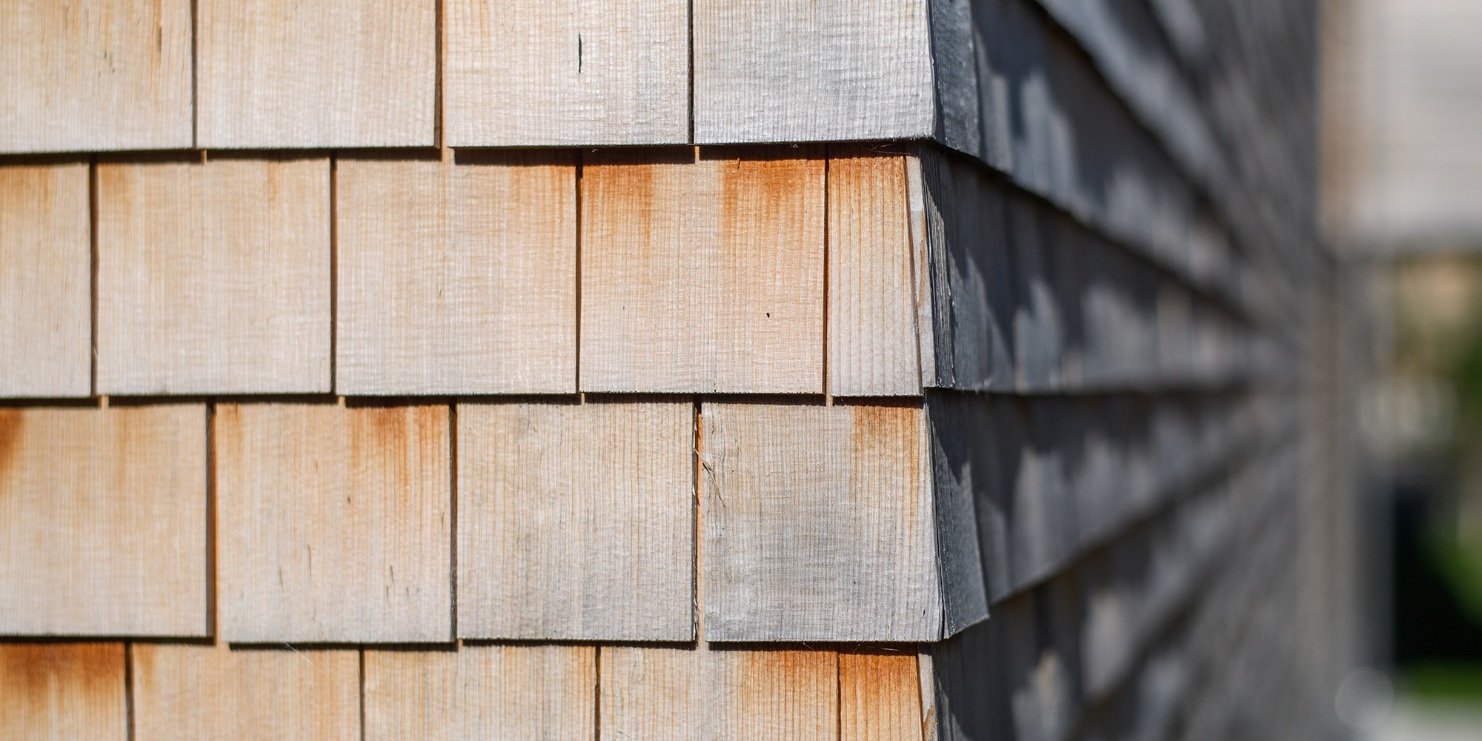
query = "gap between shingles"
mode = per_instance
[
  {"x": 696, "y": 538},
  {"x": 439, "y": 117},
  {"x": 92, "y": 200},
  {"x": 195, "y": 75},
  {"x": 828, "y": 399},
  {"x": 839, "y": 695},
  {"x": 690, "y": 9},
  {"x": 213, "y": 611},
  {"x": 577, "y": 349},
  {"x": 334, "y": 269},
  {"x": 597, "y": 693},
  {"x": 361, "y": 652},
  {"x": 453, "y": 519},
  {"x": 129, "y": 723}
]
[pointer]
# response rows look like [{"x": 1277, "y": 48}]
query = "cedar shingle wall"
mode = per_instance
[{"x": 430, "y": 381}]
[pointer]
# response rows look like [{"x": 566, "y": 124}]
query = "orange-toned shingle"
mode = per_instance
[
  {"x": 212, "y": 693},
  {"x": 103, "y": 521},
  {"x": 45, "y": 281},
  {"x": 214, "y": 278},
  {"x": 62, "y": 691},
  {"x": 335, "y": 523}
]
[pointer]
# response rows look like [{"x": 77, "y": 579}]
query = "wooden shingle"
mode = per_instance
[
  {"x": 335, "y": 523},
  {"x": 702, "y": 275},
  {"x": 103, "y": 521},
  {"x": 576, "y": 522},
  {"x": 796, "y": 71},
  {"x": 45, "y": 281},
  {"x": 457, "y": 278},
  {"x": 333, "y": 73},
  {"x": 96, "y": 76},
  {"x": 62, "y": 691},
  {"x": 567, "y": 72},
  {"x": 879, "y": 696},
  {"x": 481, "y": 692},
  {"x": 212, "y": 693},
  {"x": 214, "y": 278},
  {"x": 872, "y": 344},
  {"x": 683, "y": 693},
  {"x": 818, "y": 524}
]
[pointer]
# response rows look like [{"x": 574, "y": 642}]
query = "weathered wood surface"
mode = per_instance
[
  {"x": 702, "y": 275},
  {"x": 1052, "y": 124},
  {"x": 457, "y": 277},
  {"x": 1129, "y": 638},
  {"x": 684, "y": 693},
  {"x": 1125, "y": 41},
  {"x": 212, "y": 693},
  {"x": 971, "y": 276},
  {"x": 818, "y": 524},
  {"x": 567, "y": 73},
  {"x": 1037, "y": 323},
  {"x": 214, "y": 278},
  {"x": 1014, "y": 676},
  {"x": 954, "y": 54},
  {"x": 1025, "y": 299},
  {"x": 794, "y": 71},
  {"x": 481, "y": 692},
  {"x": 576, "y": 522},
  {"x": 97, "y": 76},
  {"x": 63, "y": 691},
  {"x": 45, "y": 281},
  {"x": 335, "y": 523},
  {"x": 335, "y": 73},
  {"x": 1051, "y": 477},
  {"x": 872, "y": 343},
  {"x": 103, "y": 521},
  {"x": 879, "y": 696}
]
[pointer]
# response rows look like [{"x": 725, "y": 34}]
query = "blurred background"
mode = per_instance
[{"x": 1402, "y": 87}]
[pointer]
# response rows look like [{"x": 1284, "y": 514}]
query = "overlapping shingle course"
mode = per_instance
[{"x": 371, "y": 439}]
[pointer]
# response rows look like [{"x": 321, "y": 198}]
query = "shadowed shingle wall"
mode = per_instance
[{"x": 782, "y": 369}]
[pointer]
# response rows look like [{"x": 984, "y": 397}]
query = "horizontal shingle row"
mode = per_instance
[
  {"x": 1128, "y": 637},
  {"x": 727, "y": 270},
  {"x": 219, "y": 74},
  {"x": 158, "y": 692},
  {"x": 327, "y": 523}
]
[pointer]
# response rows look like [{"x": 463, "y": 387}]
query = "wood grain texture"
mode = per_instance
[
  {"x": 481, "y": 692},
  {"x": 702, "y": 275},
  {"x": 1069, "y": 139},
  {"x": 104, "y": 75},
  {"x": 212, "y": 693},
  {"x": 879, "y": 696},
  {"x": 576, "y": 522},
  {"x": 872, "y": 345},
  {"x": 924, "y": 270},
  {"x": 61, "y": 691},
  {"x": 335, "y": 523},
  {"x": 679, "y": 693},
  {"x": 818, "y": 524},
  {"x": 567, "y": 73},
  {"x": 794, "y": 71},
  {"x": 955, "y": 71},
  {"x": 103, "y": 521},
  {"x": 1129, "y": 49},
  {"x": 1038, "y": 326},
  {"x": 214, "y": 278},
  {"x": 1015, "y": 676},
  {"x": 457, "y": 278},
  {"x": 45, "y": 281},
  {"x": 971, "y": 270},
  {"x": 1002, "y": 454},
  {"x": 335, "y": 73}
]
